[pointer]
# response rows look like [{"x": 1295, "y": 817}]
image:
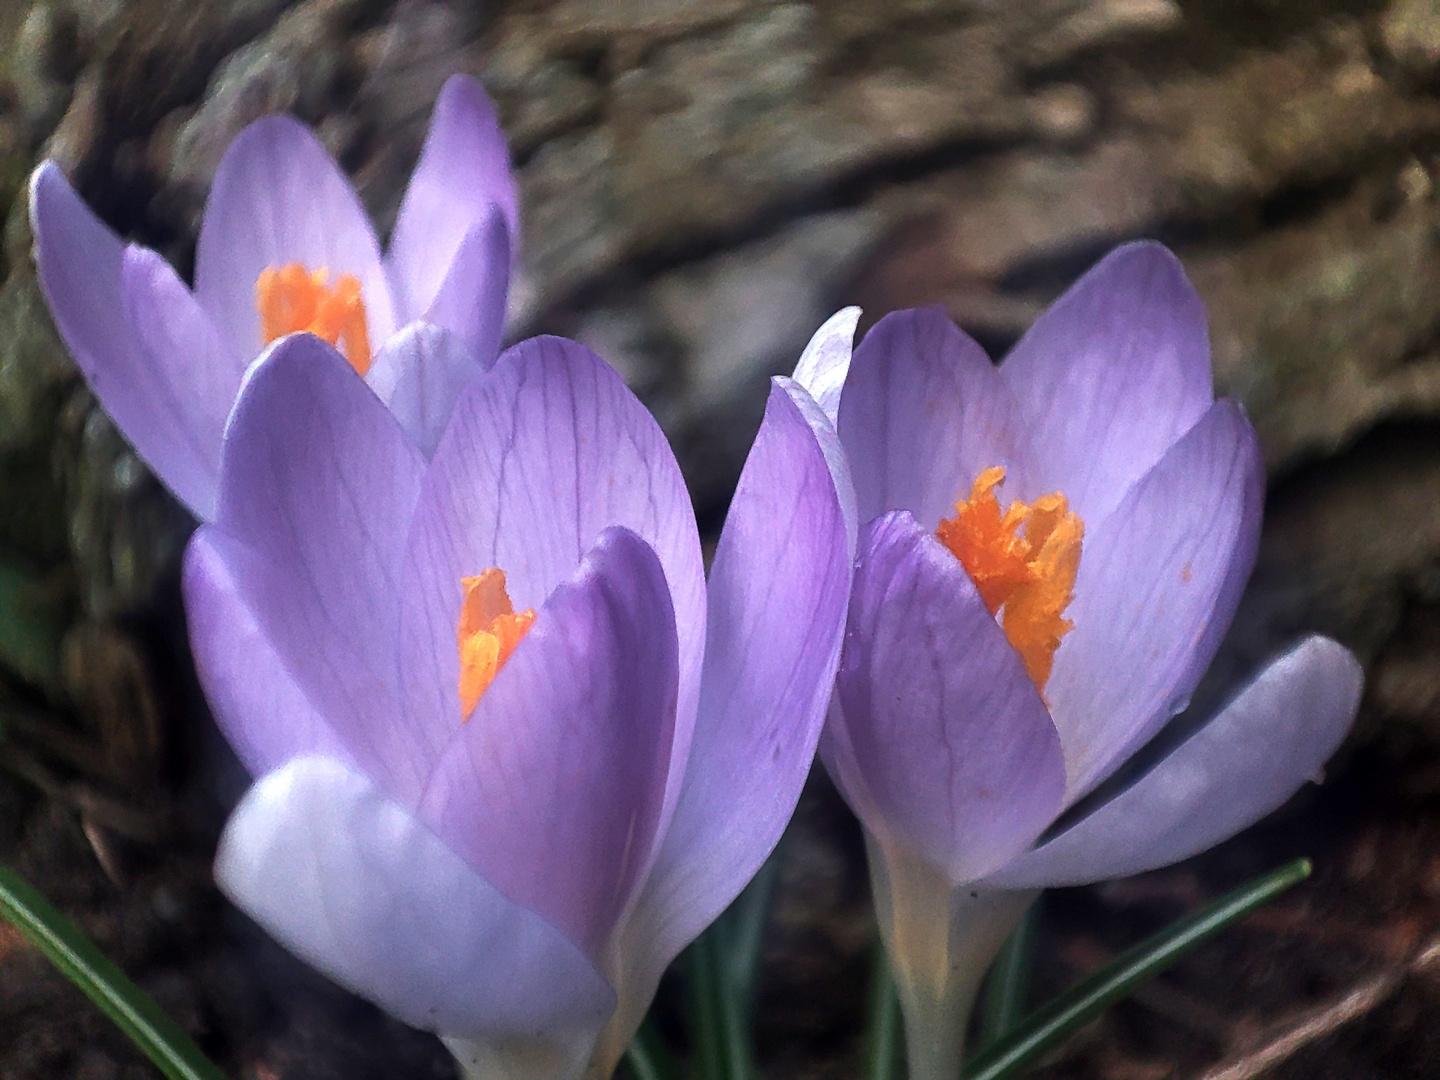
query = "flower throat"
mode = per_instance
[
  {"x": 488, "y": 633},
  {"x": 292, "y": 298},
  {"x": 1029, "y": 578}
]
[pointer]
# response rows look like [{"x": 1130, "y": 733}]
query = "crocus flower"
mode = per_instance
[
  {"x": 1050, "y": 551},
  {"x": 285, "y": 246},
  {"x": 512, "y": 751}
]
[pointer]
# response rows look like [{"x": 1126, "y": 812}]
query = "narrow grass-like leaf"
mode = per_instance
[
  {"x": 739, "y": 935},
  {"x": 62, "y": 943},
  {"x": 1052, "y": 1023},
  {"x": 720, "y": 971},
  {"x": 882, "y": 1021},
  {"x": 742, "y": 930},
  {"x": 1009, "y": 980},
  {"x": 704, "y": 1011},
  {"x": 647, "y": 1056}
]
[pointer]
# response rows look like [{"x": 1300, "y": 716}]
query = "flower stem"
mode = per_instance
[{"x": 941, "y": 939}]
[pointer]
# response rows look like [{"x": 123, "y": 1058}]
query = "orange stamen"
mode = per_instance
[
  {"x": 1030, "y": 576},
  {"x": 488, "y": 632},
  {"x": 291, "y": 298}
]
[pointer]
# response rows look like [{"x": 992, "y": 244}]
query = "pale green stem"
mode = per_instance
[
  {"x": 560, "y": 1057},
  {"x": 941, "y": 940}
]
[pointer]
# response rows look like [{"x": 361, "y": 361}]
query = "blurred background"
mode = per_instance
[{"x": 704, "y": 181}]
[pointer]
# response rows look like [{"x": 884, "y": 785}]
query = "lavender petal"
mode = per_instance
[
  {"x": 319, "y": 484},
  {"x": 1113, "y": 374},
  {"x": 419, "y": 375},
  {"x": 553, "y": 788},
  {"x": 257, "y": 702},
  {"x": 463, "y": 174},
  {"x": 145, "y": 349},
  {"x": 349, "y": 881},
  {"x": 923, "y": 413},
  {"x": 1244, "y": 763},
  {"x": 1152, "y": 583},
  {"x": 471, "y": 300},
  {"x": 278, "y": 198},
  {"x": 778, "y": 589},
  {"x": 825, "y": 363},
  {"x": 946, "y": 745},
  {"x": 540, "y": 457}
]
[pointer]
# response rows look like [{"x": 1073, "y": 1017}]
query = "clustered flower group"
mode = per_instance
[{"x": 513, "y": 749}]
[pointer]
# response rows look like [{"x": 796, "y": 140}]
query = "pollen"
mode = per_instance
[
  {"x": 488, "y": 632},
  {"x": 292, "y": 298},
  {"x": 1023, "y": 562}
]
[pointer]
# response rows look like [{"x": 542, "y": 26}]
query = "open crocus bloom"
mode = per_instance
[
  {"x": 1050, "y": 551},
  {"x": 285, "y": 246},
  {"x": 512, "y": 750}
]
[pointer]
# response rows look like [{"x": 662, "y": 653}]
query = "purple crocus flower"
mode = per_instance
[
  {"x": 512, "y": 751},
  {"x": 285, "y": 245},
  {"x": 959, "y": 737}
]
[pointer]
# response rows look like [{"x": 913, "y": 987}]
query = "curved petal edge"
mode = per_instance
[
  {"x": 825, "y": 362},
  {"x": 777, "y": 594},
  {"x": 349, "y": 881},
  {"x": 1274, "y": 736},
  {"x": 954, "y": 752}
]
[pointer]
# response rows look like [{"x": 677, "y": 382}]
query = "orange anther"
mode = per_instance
[
  {"x": 488, "y": 632},
  {"x": 1031, "y": 576},
  {"x": 291, "y": 298}
]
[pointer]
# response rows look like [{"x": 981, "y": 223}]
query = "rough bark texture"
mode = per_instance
[{"x": 703, "y": 182}]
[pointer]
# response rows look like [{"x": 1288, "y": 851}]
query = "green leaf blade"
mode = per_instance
[
  {"x": 721, "y": 967},
  {"x": 647, "y": 1056},
  {"x": 162, "y": 1040},
  {"x": 882, "y": 1022},
  {"x": 1008, "y": 983},
  {"x": 1054, "y": 1022},
  {"x": 705, "y": 1009}
]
